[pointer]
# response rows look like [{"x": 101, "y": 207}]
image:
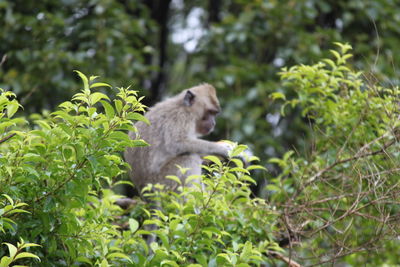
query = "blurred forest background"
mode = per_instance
[
  {"x": 339, "y": 184},
  {"x": 163, "y": 46}
]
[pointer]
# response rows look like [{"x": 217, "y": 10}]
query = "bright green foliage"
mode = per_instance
[
  {"x": 213, "y": 223},
  {"x": 57, "y": 180},
  {"x": 6, "y": 211},
  {"x": 341, "y": 198},
  {"x": 15, "y": 253},
  {"x": 62, "y": 168}
]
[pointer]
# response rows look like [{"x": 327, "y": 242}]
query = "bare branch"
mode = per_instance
[
  {"x": 288, "y": 261},
  {"x": 356, "y": 157},
  {"x": 6, "y": 138}
]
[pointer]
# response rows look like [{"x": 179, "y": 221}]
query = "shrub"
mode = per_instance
[
  {"x": 341, "y": 198},
  {"x": 58, "y": 171},
  {"x": 61, "y": 168}
]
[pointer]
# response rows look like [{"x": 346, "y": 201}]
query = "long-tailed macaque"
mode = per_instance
[{"x": 173, "y": 134}]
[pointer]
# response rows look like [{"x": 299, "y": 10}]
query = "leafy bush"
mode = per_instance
[
  {"x": 215, "y": 222},
  {"x": 341, "y": 198},
  {"x": 337, "y": 202},
  {"x": 61, "y": 168},
  {"x": 17, "y": 253}
]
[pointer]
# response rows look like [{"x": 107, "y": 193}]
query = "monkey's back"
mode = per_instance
[{"x": 150, "y": 164}]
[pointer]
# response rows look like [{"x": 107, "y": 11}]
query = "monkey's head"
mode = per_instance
[{"x": 203, "y": 103}]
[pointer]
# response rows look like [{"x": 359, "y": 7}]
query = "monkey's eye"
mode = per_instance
[{"x": 214, "y": 112}]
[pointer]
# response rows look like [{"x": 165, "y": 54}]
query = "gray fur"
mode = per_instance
[{"x": 173, "y": 138}]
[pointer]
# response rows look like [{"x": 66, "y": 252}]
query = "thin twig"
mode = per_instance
[
  {"x": 288, "y": 261},
  {"x": 6, "y": 138},
  {"x": 373, "y": 153}
]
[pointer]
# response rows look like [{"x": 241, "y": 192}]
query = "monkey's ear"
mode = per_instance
[{"x": 188, "y": 100}]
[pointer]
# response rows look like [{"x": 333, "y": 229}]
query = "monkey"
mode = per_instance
[{"x": 176, "y": 125}]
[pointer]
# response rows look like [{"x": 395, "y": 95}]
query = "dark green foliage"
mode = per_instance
[
  {"x": 242, "y": 52},
  {"x": 45, "y": 40}
]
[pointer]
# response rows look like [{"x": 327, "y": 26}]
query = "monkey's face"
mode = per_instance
[
  {"x": 207, "y": 123},
  {"x": 203, "y": 104}
]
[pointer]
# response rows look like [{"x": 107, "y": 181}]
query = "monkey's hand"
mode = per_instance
[
  {"x": 227, "y": 147},
  {"x": 237, "y": 151}
]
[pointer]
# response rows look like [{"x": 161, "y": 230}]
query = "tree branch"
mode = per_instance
[
  {"x": 288, "y": 261},
  {"x": 6, "y": 138},
  {"x": 356, "y": 157}
]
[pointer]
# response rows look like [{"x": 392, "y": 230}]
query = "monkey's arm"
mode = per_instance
[{"x": 202, "y": 147}]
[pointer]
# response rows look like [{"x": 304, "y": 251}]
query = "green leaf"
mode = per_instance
[
  {"x": 224, "y": 256},
  {"x": 83, "y": 259},
  {"x": 287, "y": 155},
  {"x": 43, "y": 124},
  {"x": 95, "y": 97},
  {"x": 12, "y": 249},
  {"x": 26, "y": 245},
  {"x": 67, "y": 105},
  {"x": 84, "y": 79},
  {"x": 118, "y": 255},
  {"x": 169, "y": 262},
  {"x": 278, "y": 95},
  {"x": 174, "y": 224},
  {"x": 278, "y": 161},
  {"x": 138, "y": 143},
  {"x": 26, "y": 255},
  {"x": 100, "y": 85},
  {"x": 344, "y": 47},
  {"x": 110, "y": 113},
  {"x": 8, "y": 198},
  {"x": 238, "y": 150},
  {"x": 272, "y": 187},
  {"x": 92, "y": 78},
  {"x": 123, "y": 183},
  {"x": 174, "y": 178},
  {"x": 256, "y": 167},
  {"x": 118, "y": 135},
  {"x": 81, "y": 97},
  {"x": 336, "y": 54},
  {"x": 104, "y": 263},
  {"x": 237, "y": 169},
  {"x": 246, "y": 252},
  {"x": 330, "y": 62},
  {"x": 138, "y": 117},
  {"x": 164, "y": 239},
  {"x": 5, "y": 261},
  {"x": 154, "y": 221},
  {"x": 118, "y": 105},
  {"x": 133, "y": 225},
  {"x": 214, "y": 159},
  {"x": 17, "y": 211},
  {"x": 248, "y": 179},
  {"x": 12, "y": 107},
  {"x": 20, "y": 205}
]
